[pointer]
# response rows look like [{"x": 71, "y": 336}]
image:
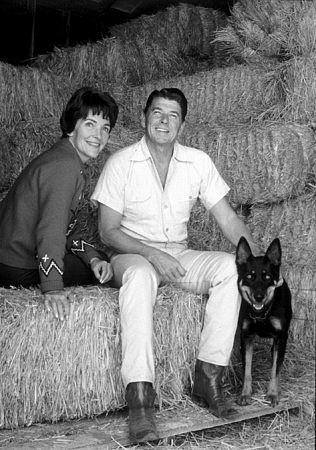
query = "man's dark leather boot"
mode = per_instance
[
  {"x": 208, "y": 388},
  {"x": 140, "y": 398}
]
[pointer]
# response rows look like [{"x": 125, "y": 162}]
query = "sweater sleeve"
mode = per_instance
[
  {"x": 59, "y": 186},
  {"x": 81, "y": 247}
]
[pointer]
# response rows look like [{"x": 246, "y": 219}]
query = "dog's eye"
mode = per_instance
[
  {"x": 250, "y": 276},
  {"x": 267, "y": 276}
]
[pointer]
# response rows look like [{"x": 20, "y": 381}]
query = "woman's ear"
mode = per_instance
[{"x": 143, "y": 120}]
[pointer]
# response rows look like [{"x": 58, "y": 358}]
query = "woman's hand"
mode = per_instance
[{"x": 59, "y": 303}]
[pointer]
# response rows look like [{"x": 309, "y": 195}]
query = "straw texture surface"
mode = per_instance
[
  {"x": 262, "y": 164},
  {"x": 219, "y": 96},
  {"x": 52, "y": 370}
]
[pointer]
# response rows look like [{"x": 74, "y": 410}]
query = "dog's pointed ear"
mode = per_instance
[
  {"x": 274, "y": 253},
  {"x": 243, "y": 251}
]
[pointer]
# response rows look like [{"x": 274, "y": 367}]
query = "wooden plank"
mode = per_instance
[{"x": 112, "y": 431}]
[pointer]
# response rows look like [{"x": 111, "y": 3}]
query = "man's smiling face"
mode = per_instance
[{"x": 163, "y": 121}]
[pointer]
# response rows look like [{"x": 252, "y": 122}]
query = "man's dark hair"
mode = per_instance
[
  {"x": 170, "y": 94},
  {"x": 84, "y": 100}
]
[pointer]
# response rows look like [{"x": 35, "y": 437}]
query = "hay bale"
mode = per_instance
[
  {"x": 204, "y": 233},
  {"x": 294, "y": 84},
  {"x": 29, "y": 92},
  {"x": 114, "y": 62},
  {"x": 7, "y": 148},
  {"x": 27, "y": 139},
  {"x": 302, "y": 282},
  {"x": 263, "y": 31},
  {"x": 184, "y": 29},
  {"x": 261, "y": 164},
  {"x": 52, "y": 371},
  {"x": 293, "y": 221},
  {"x": 133, "y": 54},
  {"x": 222, "y": 96}
]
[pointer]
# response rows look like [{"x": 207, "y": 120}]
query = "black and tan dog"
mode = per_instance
[{"x": 265, "y": 311}]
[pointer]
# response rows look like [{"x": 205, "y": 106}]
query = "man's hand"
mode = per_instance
[
  {"x": 102, "y": 270},
  {"x": 166, "y": 265},
  {"x": 59, "y": 303}
]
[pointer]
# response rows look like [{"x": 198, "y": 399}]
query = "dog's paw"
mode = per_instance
[
  {"x": 273, "y": 399},
  {"x": 243, "y": 400}
]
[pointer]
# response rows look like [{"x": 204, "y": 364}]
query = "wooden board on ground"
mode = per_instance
[{"x": 111, "y": 431}]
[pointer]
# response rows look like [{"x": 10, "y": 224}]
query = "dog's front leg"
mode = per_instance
[
  {"x": 278, "y": 352},
  {"x": 273, "y": 390},
  {"x": 247, "y": 353}
]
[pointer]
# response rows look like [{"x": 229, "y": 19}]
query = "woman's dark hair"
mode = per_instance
[
  {"x": 84, "y": 100},
  {"x": 170, "y": 94}
]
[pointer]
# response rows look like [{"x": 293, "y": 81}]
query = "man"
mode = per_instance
[
  {"x": 39, "y": 242},
  {"x": 145, "y": 194}
]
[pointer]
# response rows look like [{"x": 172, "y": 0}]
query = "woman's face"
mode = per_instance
[{"x": 90, "y": 136}]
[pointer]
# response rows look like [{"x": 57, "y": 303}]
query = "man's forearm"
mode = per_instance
[
  {"x": 238, "y": 228},
  {"x": 123, "y": 243}
]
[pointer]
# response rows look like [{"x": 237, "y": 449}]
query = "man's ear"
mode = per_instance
[{"x": 181, "y": 129}]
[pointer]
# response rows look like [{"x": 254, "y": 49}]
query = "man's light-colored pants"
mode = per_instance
[{"x": 207, "y": 272}]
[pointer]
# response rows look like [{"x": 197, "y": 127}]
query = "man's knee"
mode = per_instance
[
  {"x": 227, "y": 269},
  {"x": 140, "y": 272}
]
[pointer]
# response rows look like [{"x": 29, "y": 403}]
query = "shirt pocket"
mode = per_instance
[
  {"x": 184, "y": 199},
  {"x": 138, "y": 202}
]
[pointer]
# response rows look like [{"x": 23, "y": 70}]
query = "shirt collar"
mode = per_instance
[{"x": 142, "y": 153}]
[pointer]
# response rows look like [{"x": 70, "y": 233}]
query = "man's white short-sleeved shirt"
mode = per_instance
[{"x": 129, "y": 183}]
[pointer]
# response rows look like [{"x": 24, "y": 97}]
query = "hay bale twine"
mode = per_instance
[
  {"x": 219, "y": 96},
  {"x": 293, "y": 221},
  {"x": 261, "y": 164},
  {"x": 52, "y": 371}
]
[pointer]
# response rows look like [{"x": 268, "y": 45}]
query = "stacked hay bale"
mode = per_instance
[
  {"x": 124, "y": 59},
  {"x": 133, "y": 54},
  {"x": 243, "y": 116},
  {"x": 282, "y": 36},
  {"x": 52, "y": 371}
]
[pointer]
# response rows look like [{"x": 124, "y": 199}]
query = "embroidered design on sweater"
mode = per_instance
[
  {"x": 71, "y": 226},
  {"x": 79, "y": 245},
  {"x": 52, "y": 265}
]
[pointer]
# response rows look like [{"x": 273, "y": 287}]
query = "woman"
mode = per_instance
[{"x": 39, "y": 243}]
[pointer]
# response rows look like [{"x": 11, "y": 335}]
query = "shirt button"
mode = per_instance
[
  {"x": 167, "y": 229},
  {"x": 165, "y": 206}
]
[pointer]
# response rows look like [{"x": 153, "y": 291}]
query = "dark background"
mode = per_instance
[{"x": 29, "y": 28}]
